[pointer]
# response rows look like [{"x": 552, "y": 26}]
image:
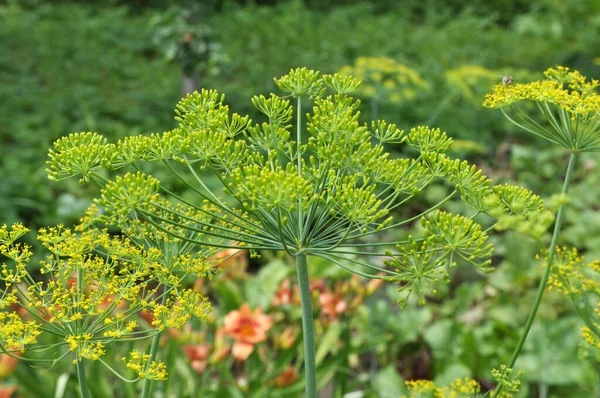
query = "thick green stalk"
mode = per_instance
[
  {"x": 146, "y": 386},
  {"x": 310, "y": 369},
  {"x": 546, "y": 275},
  {"x": 85, "y": 392}
]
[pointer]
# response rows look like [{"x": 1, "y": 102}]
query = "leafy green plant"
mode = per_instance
[{"x": 318, "y": 197}]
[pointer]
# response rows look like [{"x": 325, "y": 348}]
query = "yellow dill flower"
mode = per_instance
[
  {"x": 567, "y": 101},
  {"x": 179, "y": 309},
  {"x": 466, "y": 386},
  {"x": 590, "y": 337},
  {"x": 469, "y": 80},
  {"x": 384, "y": 79},
  {"x": 95, "y": 287},
  {"x": 84, "y": 347},
  {"x": 459, "y": 388},
  {"x": 15, "y": 333},
  {"x": 423, "y": 388},
  {"x": 140, "y": 364},
  {"x": 567, "y": 276}
]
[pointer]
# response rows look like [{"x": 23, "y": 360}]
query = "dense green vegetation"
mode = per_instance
[{"x": 120, "y": 67}]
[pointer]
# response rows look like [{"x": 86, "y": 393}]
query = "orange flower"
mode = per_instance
[
  {"x": 232, "y": 263},
  {"x": 198, "y": 355},
  {"x": 7, "y": 391},
  {"x": 374, "y": 285},
  {"x": 286, "y": 294},
  {"x": 248, "y": 328},
  {"x": 289, "y": 376},
  {"x": 332, "y": 305},
  {"x": 317, "y": 285}
]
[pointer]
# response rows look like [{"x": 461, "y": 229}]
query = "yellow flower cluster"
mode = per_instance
[
  {"x": 94, "y": 287},
  {"x": 459, "y": 388},
  {"x": 141, "y": 365},
  {"x": 85, "y": 347},
  {"x": 16, "y": 333},
  {"x": 569, "y": 91},
  {"x": 179, "y": 309},
  {"x": 590, "y": 337},
  {"x": 465, "y": 386},
  {"x": 572, "y": 275},
  {"x": 574, "y": 80},
  {"x": 423, "y": 388},
  {"x": 119, "y": 327},
  {"x": 469, "y": 80},
  {"x": 385, "y": 80}
]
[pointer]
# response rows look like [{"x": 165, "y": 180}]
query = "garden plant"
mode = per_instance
[
  {"x": 568, "y": 104},
  {"x": 320, "y": 194},
  {"x": 119, "y": 67}
]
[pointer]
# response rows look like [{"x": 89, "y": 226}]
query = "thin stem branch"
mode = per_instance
[{"x": 546, "y": 275}]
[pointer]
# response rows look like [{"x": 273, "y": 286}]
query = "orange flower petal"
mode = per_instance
[{"x": 241, "y": 350}]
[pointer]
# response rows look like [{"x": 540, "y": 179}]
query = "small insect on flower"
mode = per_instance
[{"x": 506, "y": 80}]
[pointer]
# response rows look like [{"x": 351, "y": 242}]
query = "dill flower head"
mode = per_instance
[
  {"x": 472, "y": 82},
  {"x": 568, "y": 102},
  {"x": 385, "y": 80},
  {"x": 580, "y": 280},
  {"x": 314, "y": 185},
  {"x": 468, "y": 80},
  {"x": 94, "y": 286},
  {"x": 141, "y": 364},
  {"x": 459, "y": 388}
]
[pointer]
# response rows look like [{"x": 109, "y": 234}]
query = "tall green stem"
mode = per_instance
[
  {"x": 153, "y": 349},
  {"x": 308, "y": 332},
  {"x": 546, "y": 275},
  {"x": 85, "y": 392}
]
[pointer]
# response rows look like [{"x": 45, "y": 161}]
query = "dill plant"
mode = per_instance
[
  {"x": 94, "y": 287},
  {"x": 323, "y": 195},
  {"x": 384, "y": 81},
  {"x": 569, "y": 105}
]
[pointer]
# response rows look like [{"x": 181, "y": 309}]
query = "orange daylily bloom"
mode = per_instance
[
  {"x": 247, "y": 328},
  {"x": 7, "y": 391},
  {"x": 289, "y": 376},
  {"x": 198, "y": 355},
  {"x": 332, "y": 305},
  {"x": 286, "y": 294}
]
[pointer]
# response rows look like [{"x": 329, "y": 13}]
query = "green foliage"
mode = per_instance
[
  {"x": 102, "y": 67},
  {"x": 70, "y": 67}
]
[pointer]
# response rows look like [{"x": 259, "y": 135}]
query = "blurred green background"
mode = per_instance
[{"x": 119, "y": 67}]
